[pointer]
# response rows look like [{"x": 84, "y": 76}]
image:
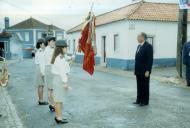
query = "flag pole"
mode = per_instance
[{"x": 92, "y": 6}]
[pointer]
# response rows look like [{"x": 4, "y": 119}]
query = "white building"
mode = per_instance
[{"x": 117, "y": 34}]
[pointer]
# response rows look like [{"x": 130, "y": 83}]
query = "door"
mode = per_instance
[
  {"x": 103, "y": 57},
  {"x": 2, "y": 49}
]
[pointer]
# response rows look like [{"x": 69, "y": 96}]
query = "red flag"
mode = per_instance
[{"x": 87, "y": 44}]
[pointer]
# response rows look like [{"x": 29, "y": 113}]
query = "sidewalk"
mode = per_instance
[
  {"x": 9, "y": 117},
  {"x": 166, "y": 75}
]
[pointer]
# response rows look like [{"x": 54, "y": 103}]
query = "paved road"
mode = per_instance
[
  {"x": 9, "y": 118},
  {"x": 101, "y": 101}
]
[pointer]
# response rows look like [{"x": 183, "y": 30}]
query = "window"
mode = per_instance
[
  {"x": 74, "y": 46},
  {"x": 39, "y": 35},
  {"x": 59, "y": 36},
  {"x": 19, "y": 36},
  {"x": 116, "y": 42},
  {"x": 69, "y": 45},
  {"x": 103, "y": 57},
  {"x": 27, "y": 36},
  {"x": 131, "y": 26},
  {"x": 150, "y": 39}
]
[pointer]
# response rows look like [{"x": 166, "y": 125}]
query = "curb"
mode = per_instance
[
  {"x": 173, "y": 81},
  {"x": 10, "y": 62},
  {"x": 11, "y": 107}
]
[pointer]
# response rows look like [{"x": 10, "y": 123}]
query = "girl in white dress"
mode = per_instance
[
  {"x": 60, "y": 70},
  {"x": 50, "y": 42},
  {"x": 40, "y": 67}
]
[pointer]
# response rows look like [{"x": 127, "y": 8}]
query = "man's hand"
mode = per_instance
[{"x": 147, "y": 74}]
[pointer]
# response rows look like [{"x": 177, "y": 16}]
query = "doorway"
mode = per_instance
[
  {"x": 2, "y": 49},
  {"x": 103, "y": 56},
  {"x": 74, "y": 49}
]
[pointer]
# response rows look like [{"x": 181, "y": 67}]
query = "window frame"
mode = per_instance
[
  {"x": 27, "y": 36},
  {"x": 74, "y": 46},
  {"x": 59, "y": 35},
  {"x": 19, "y": 36},
  {"x": 115, "y": 43},
  {"x": 39, "y": 36},
  {"x": 152, "y": 42}
]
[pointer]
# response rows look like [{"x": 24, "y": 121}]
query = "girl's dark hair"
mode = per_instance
[
  {"x": 40, "y": 41},
  {"x": 38, "y": 44},
  {"x": 46, "y": 43},
  {"x": 57, "y": 51}
]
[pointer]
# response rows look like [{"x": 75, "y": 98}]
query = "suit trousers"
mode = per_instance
[
  {"x": 143, "y": 85},
  {"x": 188, "y": 75}
]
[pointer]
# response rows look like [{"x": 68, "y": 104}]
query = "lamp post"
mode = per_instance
[{"x": 181, "y": 39}]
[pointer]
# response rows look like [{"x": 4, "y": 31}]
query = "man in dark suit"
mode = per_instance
[
  {"x": 143, "y": 67},
  {"x": 186, "y": 61}
]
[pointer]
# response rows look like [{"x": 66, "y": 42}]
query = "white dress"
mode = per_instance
[
  {"x": 40, "y": 67},
  {"x": 48, "y": 75},
  {"x": 60, "y": 70}
]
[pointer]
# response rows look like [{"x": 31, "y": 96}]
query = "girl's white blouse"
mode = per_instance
[
  {"x": 48, "y": 55},
  {"x": 39, "y": 60},
  {"x": 61, "y": 67}
]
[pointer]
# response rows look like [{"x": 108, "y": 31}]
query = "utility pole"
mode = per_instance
[{"x": 181, "y": 39}]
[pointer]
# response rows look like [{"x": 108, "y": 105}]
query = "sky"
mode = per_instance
[{"x": 62, "y": 13}]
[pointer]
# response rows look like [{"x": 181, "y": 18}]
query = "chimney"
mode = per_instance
[{"x": 6, "y": 22}]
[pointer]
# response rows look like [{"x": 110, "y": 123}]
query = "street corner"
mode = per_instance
[{"x": 9, "y": 118}]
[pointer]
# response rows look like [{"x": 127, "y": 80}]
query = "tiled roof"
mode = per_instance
[
  {"x": 156, "y": 12},
  {"x": 5, "y": 35},
  {"x": 148, "y": 11},
  {"x": 54, "y": 27},
  {"x": 32, "y": 23}
]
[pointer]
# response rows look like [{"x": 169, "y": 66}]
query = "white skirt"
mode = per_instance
[
  {"x": 39, "y": 79},
  {"x": 48, "y": 77},
  {"x": 58, "y": 89}
]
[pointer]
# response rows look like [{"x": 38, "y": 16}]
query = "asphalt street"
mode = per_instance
[{"x": 101, "y": 101}]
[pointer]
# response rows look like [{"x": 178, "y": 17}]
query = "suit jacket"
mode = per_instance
[
  {"x": 144, "y": 59},
  {"x": 186, "y": 54}
]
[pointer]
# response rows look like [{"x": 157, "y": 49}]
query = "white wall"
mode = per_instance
[
  {"x": 107, "y": 30},
  {"x": 70, "y": 37},
  {"x": 165, "y": 38}
]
